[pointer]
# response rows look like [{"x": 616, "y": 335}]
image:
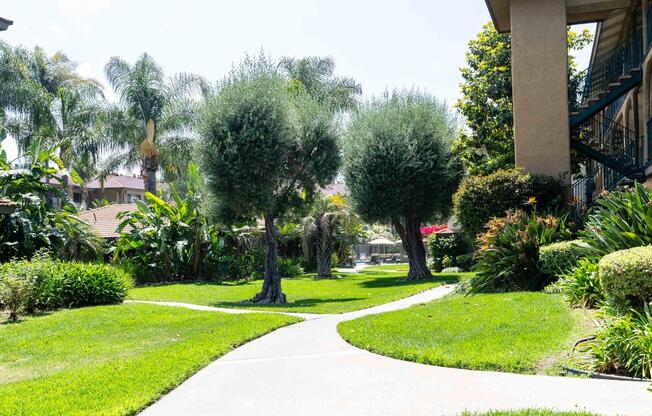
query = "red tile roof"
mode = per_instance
[
  {"x": 118, "y": 182},
  {"x": 104, "y": 220}
]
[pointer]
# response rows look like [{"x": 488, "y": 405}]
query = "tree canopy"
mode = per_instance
[{"x": 399, "y": 168}]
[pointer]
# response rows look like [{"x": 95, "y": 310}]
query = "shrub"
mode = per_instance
[
  {"x": 481, "y": 198},
  {"x": 448, "y": 247},
  {"x": 620, "y": 220},
  {"x": 562, "y": 257},
  {"x": 626, "y": 277},
  {"x": 581, "y": 286},
  {"x": 14, "y": 294},
  {"x": 290, "y": 267},
  {"x": 623, "y": 345},
  {"x": 508, "y": 257},
  {"x": 53, "y": 284}
]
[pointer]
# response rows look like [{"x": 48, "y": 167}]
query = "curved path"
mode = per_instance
[{"x": 307, "y": 369}]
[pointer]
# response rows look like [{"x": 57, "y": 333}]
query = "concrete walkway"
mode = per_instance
[{"x": 307, "y": 369}]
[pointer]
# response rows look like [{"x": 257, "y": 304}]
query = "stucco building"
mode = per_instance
[{"x": 608, "y": 118}]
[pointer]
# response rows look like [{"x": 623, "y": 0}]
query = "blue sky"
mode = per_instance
[{"x": 383, "y": 44}]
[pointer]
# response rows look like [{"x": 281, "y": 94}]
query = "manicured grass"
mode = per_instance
[
  {"x": 528, "y": 412},
  {"x": 514, "y": 332},
  {"x": 400, "y": 267},
  {"x": 113, "y": 360},
  {"x": 351, "y": 292}
]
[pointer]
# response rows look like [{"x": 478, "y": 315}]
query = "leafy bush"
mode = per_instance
[
  {"x": 14, "y": 294},
  {"x": 480, "y": 198},
  {"x": 447, "y": 246},
  {"x": 621, "y": 219},
  {"x": 562, "y": 257},
  {"x": 508, "y": 257},
  {"x": 581, "y": 286},
  {"x": 170, "y": 240},
  {"x": 626, "y": 277},
  {"x": 623, "y": 345},
  {"x": 290, "y": 267},
  {"x": 54, "y": 284}
]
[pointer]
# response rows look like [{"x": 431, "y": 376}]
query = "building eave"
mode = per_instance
[{"x": 5, "y": 23}]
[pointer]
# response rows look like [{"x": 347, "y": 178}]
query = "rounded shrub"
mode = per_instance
[
  {"x": 447, "y": 250},
  {"x": 562, "y": 257},
  {"x": 53, "y": 284},
  {"x": 480, "y": 198},
  {"x": 626, "y": 277}
]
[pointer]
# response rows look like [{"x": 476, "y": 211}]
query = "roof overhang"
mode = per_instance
[
  {"x": 577, "y": 11},
  {"x": 4, "y": 24}
]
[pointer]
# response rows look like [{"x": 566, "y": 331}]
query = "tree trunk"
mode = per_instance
[
  {"x": 324, "y": 247},
  {"x": 149, "y": 154},
  {"x": 413, "y": 244},
  {"x": 271, "y": 291}
]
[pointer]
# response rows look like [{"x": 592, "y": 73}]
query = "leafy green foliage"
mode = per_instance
[
  {"x": 14, "y": 294},
  {"x": 450, "y": 246},
  {"x": 562, "y": 257},
  {"x": 37, "y": 223},
  {"x": 626, "y": 277},
  {"x": 290, "y": 268},
  {"x": 508, "y": 254},
  {"x": 114, "y": 360},
  {"x": 486, "y": 102},
  {"x": 623, "y": 345},
  {"x": 581, "y": 286},
  {"x": 527, "y": 412},
  {"x": 480, "y": 198},
  {"x": 170, "y": 240},
  {"x": 53, "y": 284},
  {"x": 513, "y": 332},
  {"x": 619, "y": 220}
]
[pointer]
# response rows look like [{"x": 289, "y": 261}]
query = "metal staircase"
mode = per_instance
[{"x": 615, "y": 152}]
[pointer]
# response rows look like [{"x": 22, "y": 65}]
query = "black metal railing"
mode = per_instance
[
  {"x": 606, "y": 71},
  {"x": 597, "y": 179},
  {"x": 614, "y": 145}
]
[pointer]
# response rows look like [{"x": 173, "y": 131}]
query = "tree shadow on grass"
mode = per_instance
[
  {"x": 300, "y": 303},
  {"x": 400, "y": 281}
]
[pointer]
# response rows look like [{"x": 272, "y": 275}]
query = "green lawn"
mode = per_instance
[
  {"x": 513, "y": 332},
  {"x": 305, "y": 294},
  {"x": 400, "y": 267},
  {"x": 113, "y": 360},
  {"x": 528, "y": 412}
]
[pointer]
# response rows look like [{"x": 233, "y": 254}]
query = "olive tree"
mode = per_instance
[
  {"x": 399, "y": 168},
  {"x": 263, "y": 144}
]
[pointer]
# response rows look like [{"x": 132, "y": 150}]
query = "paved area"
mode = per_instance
[{"x": 308, "y": 369}]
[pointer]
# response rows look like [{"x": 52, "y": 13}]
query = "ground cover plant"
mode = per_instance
[
  {"x": 523, "y": 332},
  {"x": 527, "y": 412},
  {"x": 352, "y": 291},
  {"x": 113, "y": 360}
]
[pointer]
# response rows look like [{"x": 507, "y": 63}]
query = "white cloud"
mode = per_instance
[{"x": 80, "y": 10}]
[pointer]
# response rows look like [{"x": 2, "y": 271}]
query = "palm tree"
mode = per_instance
[
  {"x": 151, "y": 125},
  {"x": 319, "y": 229},
  {"x": 47, "y": 100},
  {"x": 317, "y": 75}
]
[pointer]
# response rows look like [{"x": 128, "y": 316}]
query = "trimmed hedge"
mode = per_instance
[
  {"x": 562, "y": 257},
  {"x": 480, "y": 198},
  {"x": 54, "y": 284},
  {"x": 626, "y": 277}
]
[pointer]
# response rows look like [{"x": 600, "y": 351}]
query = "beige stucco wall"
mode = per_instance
[{"x": 540, "y": 87}]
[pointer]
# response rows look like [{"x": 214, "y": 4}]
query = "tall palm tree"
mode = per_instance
[
  {"x": 151, "y": 125},
  {"x": 319, "y": 230},
  {"x": 317, "y": 75}
]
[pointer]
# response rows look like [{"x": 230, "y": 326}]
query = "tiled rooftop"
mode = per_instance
[{"x": 104, "y": 220}]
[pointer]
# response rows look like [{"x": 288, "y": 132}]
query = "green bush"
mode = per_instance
[
  {"x": 626, "y": 277},
  {"x": 446, "y": 250},
  {"x": 621, "y": 219},
  {"x": 14, "y": 294},
  {"x": 290, "y": 267},
  {"x": 623, "y": 345},
  {"x": 581, "y": 286},
  {"x": 562, "y": 257},
  {"x": 508, "y": 254},
  {"x": 480, "y": 198},
  {"x": 53, "y": 284}
]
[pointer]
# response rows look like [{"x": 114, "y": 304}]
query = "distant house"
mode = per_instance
[
  {"x": 337, "y": 188},
  {"x": 7, "y": 207},
  {"x": 104, "y": 219},
  {"x": 117, "y": 189}
]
